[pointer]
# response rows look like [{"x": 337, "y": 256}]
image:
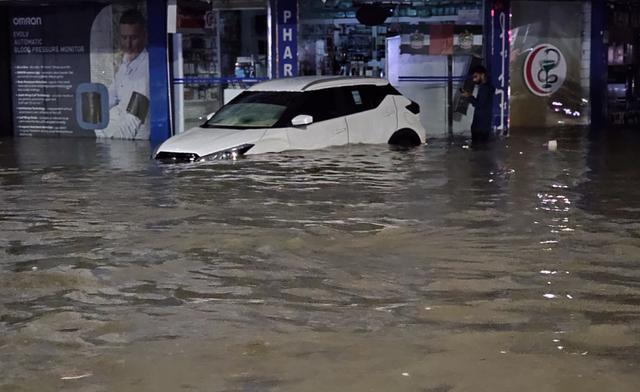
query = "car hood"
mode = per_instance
[{"x": 205, "y": 141}]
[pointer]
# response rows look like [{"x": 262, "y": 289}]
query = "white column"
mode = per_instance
[{"x": 178, "y": 85}]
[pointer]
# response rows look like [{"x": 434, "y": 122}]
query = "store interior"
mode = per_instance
[
  {"x": 424, "y": 48},
  {"x": 222, "y": 51},
  {"x": 336, "y": 37},
  {"x": 623, "y": 62}
]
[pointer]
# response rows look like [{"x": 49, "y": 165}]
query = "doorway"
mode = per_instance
[{"x": 217, "y": 53}]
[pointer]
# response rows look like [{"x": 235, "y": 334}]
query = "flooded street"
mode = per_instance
[{"x": 440, "y": 269}]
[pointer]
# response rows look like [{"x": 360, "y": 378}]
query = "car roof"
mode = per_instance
[{"x": 309, "y": 83}]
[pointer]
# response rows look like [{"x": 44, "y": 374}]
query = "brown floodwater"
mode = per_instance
[{"x": 363, "y": 268}]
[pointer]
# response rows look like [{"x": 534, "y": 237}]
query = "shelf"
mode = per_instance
[
  {"x": 198, "y": 100},
  {"x": 392, "y": 19},
  {"x": 195, "y": 31}
]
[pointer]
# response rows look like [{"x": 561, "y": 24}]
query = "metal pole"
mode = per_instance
[
  {"x": 598, "y": 66},
  {"x": 450, "y": 94},
  {"x": 270, "y": 35}
]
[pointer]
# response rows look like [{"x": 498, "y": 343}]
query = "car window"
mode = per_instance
[
  {"x": 323, "y": 105},
  {"x": 375, "y": 95},
  {"x": 359, "y": 99},
  {"x": 378, "y": 94},
  {"x": 254, "y": 109},
  {"x": 275, "y": 109},
  {"x": 367, "y": 97},
  {"x": 250, "y": 115}
]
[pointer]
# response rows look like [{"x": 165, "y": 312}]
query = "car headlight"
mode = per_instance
[{"x": 230, "y": 153}]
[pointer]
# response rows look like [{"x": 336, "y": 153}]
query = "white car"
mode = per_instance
[{"x": 300, "y": 113}]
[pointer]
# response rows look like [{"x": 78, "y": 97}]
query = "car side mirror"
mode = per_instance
[
  {"x": 207, "y": 117},
  {"x": 301, "y": 120}
]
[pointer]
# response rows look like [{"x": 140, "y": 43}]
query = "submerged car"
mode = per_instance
[{"x": 301, "y": 113}]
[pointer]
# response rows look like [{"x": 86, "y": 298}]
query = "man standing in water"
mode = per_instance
[{"x": 483, "y": 104}]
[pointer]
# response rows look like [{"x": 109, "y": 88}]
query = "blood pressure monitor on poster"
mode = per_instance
[
  {"x": 138, "y": 106},
  {"x": 92, "y": 106}
]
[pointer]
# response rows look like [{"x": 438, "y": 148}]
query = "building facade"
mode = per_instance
[{"x": 148, "y": 69}]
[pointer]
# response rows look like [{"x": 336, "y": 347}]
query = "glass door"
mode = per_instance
[
  {"x": 198, "y": 42},
  {"x": 243, "y": 37},
  {"x": 217, "y": 53}
]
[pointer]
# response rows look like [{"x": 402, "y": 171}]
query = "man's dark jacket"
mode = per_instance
[{"x": 483, "y": 114}]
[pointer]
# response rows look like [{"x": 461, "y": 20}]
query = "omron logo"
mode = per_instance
[{"x": 28, "y": 21}]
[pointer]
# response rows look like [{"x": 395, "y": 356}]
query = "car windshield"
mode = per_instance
[{"x": 254, "y": 109}]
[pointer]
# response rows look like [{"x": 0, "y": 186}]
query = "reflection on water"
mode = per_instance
[{"x": 443, "y": 268}]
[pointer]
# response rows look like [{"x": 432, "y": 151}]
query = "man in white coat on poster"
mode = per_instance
[{"x": 129, "y": 92}]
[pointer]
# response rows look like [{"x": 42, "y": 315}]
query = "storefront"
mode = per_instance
[
  {"x": 88, "y": 70},
  {"x": 623, "y": 62},
  {"x": 219, "y": 48},
  {"x": 550, "y": 68},
  {"x": 425, "y": 50},
  {"x": 550, "y": 58},
  {"x": 110, "y": 69}
]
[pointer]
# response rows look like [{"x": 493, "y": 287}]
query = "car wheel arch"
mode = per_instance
[{"x": 405, "y": 137}]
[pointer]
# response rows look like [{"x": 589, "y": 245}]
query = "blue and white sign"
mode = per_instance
[
  {"x": 287, "y": 38},
  {"x": 499, "y": 22}
]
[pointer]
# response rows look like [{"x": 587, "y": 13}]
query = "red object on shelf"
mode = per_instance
[{"x": 441, "y": 39}]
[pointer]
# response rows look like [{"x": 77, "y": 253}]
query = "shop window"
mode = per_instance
[
  {"x": 548, "y": 66},
  {"x": 623, "y": 63},
  {"x": 224, "y": 51},
  {"x": 332, "y": 42},
  {"x": 402, "y": 49}
]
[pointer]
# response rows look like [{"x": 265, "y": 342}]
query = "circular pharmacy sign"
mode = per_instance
[{"x": 545, "y": 70}]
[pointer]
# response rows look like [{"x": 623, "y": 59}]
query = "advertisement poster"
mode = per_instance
[
  {"x": 549, "y": 70},
  {"x": 80, "y": 71}
]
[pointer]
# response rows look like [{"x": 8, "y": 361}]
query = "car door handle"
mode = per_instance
[{"x": 341, "y": 130}]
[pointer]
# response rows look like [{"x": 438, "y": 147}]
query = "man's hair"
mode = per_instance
[
  {"x": 479, "y": 69},
  {"x": 132, "y": 17}
]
